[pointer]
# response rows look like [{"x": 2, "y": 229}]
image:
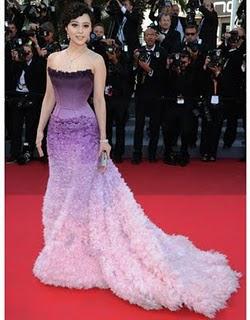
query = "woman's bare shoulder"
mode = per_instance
[
  {"x": 54, "y": 58},
  {"x": 95, "y": 57}
]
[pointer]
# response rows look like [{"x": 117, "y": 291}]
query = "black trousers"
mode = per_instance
[
  {"x": 211, "y": 131},
  {"x": 117, "y": 113},
  {"x": 21, "y": 115},
  {"x": 152, "y": 108},
  {"x": 177, "y": 118},
  {"x": 231, "y": 114}
]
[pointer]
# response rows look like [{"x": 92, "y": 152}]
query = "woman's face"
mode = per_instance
[{"x": 79, "y": 29}]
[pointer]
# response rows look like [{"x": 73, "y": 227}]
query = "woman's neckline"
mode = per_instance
[{"x": 70, "y": 72}]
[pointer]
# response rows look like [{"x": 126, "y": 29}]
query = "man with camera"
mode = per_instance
[
  {"x": 195, "y": 46},
  {"x": 160, "y": 6},
  {"x": 126, "y": 23},
  {"x": 96, "y": 10},
  {"x": 211, "y": 105},
  {"x": 181, "y": 94},
  {"x": 28, "y": 77},
  {"x": 149, "y": 66},
  {"x": 44, "y": 41},
  {"x": 117, "y": 98},
  {"x": 208, "y": 25},
  {"x": 231, "y": 83}
]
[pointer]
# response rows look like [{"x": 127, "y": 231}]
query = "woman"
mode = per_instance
[{"x": 95, "y": 233}]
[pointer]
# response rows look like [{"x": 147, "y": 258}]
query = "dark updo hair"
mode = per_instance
[{"x": 74, "y": 10}]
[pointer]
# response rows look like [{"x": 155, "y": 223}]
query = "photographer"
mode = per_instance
[
  {"x": 231, "y": 86},
  {"x": 43, "y": 39},
  {"x": 96, "y": 10},
  {"x": 117, "y": 98},
  {"x": 211, "y": 106},
  {"x": 168, "y": 38},
  {"x": 208, "y": 25},
  {"x": 181, "y": 94},
  {"x": 162, "y": 6},
  {"x": 126, "y": 23},
  {"x": 149, "y": 65},
  {"x": 195, "y": 47},
  {"x": 14, "y": 15},
  {"x": 28, "y": 77}
]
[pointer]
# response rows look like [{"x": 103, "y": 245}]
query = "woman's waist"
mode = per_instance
[{"x": 69, "y": 111}]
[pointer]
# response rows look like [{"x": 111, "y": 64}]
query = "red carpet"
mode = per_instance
[{"x": 204, "y": 201}]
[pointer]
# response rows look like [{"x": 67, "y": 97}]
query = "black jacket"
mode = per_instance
[
  {"x": 35, "y": 75},
  {"x": 208, "y": 31},
  {"x": 172, "y": 41},
  {"x": 152, "y": 86},
  {"x": 130, "y": 29}
]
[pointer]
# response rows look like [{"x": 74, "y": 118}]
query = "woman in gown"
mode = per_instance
[{"x": 95, "y": 233}]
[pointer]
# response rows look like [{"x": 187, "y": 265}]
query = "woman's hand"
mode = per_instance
[
  {"x": 105, "y": 146},
  {"x": 39, "y": 139}
]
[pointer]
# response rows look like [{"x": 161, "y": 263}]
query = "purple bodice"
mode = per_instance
[{"x": 72, "y": 90}]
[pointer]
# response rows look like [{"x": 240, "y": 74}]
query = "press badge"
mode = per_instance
[
  {"x": 180, "y": 100},
  {"x": 215, "y": 100}
]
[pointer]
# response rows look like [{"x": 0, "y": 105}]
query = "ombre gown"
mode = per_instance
[{"x": 97, "y": 235}]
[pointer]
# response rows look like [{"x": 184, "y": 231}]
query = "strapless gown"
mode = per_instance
[{"x": 97, "y": 235}]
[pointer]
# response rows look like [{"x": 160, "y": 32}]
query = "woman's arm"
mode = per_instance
[
  {"x": 47, "y": 107},
  {"x": 99, "y": 101},
  {"x": 98, "y": 98}
]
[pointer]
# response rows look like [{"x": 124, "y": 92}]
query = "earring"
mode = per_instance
[{"x": 68, "y": 36}]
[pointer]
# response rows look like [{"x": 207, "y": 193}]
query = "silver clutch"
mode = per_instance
[{"x": 103, "y": 160}]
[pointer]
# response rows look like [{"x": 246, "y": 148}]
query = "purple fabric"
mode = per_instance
[{"x": 97, "y": 235}]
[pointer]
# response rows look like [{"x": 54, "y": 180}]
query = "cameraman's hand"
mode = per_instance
[
  {"x": 112, "y": 57},
  {"x": 145, "y": 66},
  {"x": 207, "y": 60},
  {"x": 34, "y": 39},
  {"x": 39, "y": 139},
  {"x": 216, "y": 70},
  {"x": 43, "y": 52}
]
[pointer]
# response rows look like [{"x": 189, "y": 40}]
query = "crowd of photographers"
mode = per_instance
[{"x": 179, "y": 78}]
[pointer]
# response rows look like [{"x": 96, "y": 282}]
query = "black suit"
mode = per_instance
[
  {"x": 178, "y": 116},
  {"x": 130, "y": 28},
  {"x": 208, "y": 28},
  {"x": 35, "y": 80},
  {"x": 172, "y": 41},
  {"x": 148, "y": 95},
  {"x": 231, "y": 83},
  {"x": 175, "y": 20}
]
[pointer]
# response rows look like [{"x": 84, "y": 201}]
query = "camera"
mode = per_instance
[
  {"x": 234, "y": 37},
  {"x": 18, "y": 45},
  {"x": 191, "y": 6},
  {"x": 94, "y": 37},
  {"x": 26, "y": 156},
  {"x": 176, "y": 59},
  {"x": 216, "y": 58},
  {"x": 113, "y": 6},
  {"x": 193, "y": 46},
  {"x": 24, "y": 103}
]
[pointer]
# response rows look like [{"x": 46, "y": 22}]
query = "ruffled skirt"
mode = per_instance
[{"x": 97, "y": 235}]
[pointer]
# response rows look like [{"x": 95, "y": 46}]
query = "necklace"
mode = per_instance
[{"x": 75, "y": 58}]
